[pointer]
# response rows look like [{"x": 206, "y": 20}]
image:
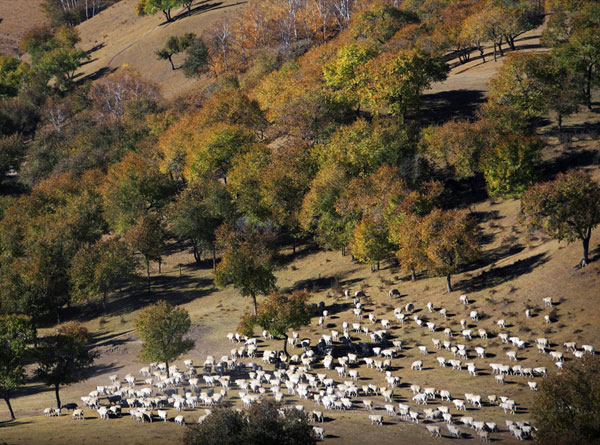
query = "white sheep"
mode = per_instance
[
  {"x": 453, "y": 430},
  {"x": 319, "y": 432},
  {"x": 162, "y": 414},
  {"x": 417, "y": 364},
  {"x": 376, "y": 419},
  {"x": 533, "y": 386},
  {"x": 180, "y": 420},
  {"x": 547, "y": 301},
  {"x": 430, "y": 307},
  {"x": 77, "y": 414},
  {"x": 464, "y": 299},
  {"x": 434, "y": 430}
]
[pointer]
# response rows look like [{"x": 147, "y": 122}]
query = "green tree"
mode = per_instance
[
  {"x": 151, "y": 7},
  {"x": 279, "y": 313},
  {"x": 567, "y": 209},
  {"x": 14, "y": 75},
  {"x": 65, "y": 358},
  {"x": 450, "y": 240},
  {"x": 12, "y": 152},
  {"x": 162, "y": 328},
  {"x": 17, "y": 333},
  {"x": 196, "y": 60},
  {"x": 133, "y": 188},
  {"x": 511, "y": 165},
  {"x": 175, "y": 45},
  {"x": 99, "y": 269},
  {"x": 396, "y": 80},
  {"x": 260, "y": 424},
  {"x": 148, "y": 238},
  {"x": 567, "y": 405},
  {"x": 197, "y": 213},
  {"x": 370, "y": 243},
  {"x": 248, "y": 260}
]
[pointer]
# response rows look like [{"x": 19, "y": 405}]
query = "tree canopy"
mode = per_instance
[{"x": 162, "y": 328}]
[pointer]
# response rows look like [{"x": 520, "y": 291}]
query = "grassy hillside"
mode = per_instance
[
  {"x": 16, "y": 17},
  {"x": 118, "y": 36}
]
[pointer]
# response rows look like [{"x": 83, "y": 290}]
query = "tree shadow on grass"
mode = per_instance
[
  {"x": 438, "y": 108},
  {"x": 499, "y": 275}
]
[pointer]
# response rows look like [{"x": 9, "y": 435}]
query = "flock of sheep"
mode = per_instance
[{"x": 308, "y": 374}]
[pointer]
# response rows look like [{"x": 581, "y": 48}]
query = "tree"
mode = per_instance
[
  {"x": 102, "y": 268},
  {"x": 404, "y": 233},
  {"x": 279, "y": 313},
  {"x": 151, "y": 7},
  {"x": 147, "y": 237},
  {"x": 510, "y": 165},
  {"x": 12, "y": 151},
  {"x": 162, "y": 328},
  {"x": 567, "y": 405},
  {"x": 370, "y": 243},
  {"x": 196, "y": 61},
  {"x": 450, "y": 240},
  {"x": 14, "y": 74},
  {"x": 175, "y": 45},
  {"x": 133, "y": 188},
  {"x": 396, "y": 80},
  {"x": 247, "y": 262},
  {"x": 17, "y": 333},
  {"x": 65, "y": 358},
  {"x": 260, "y": 424},
  {"x": 197, "y": 213},
  {"x": 567, "y": 209}
]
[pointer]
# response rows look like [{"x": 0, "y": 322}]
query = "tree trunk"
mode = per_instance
[
  {"x": 377, "y": 265},
  {"x": 588, "y": 89},
  {"x": 500, "y": 47},
  {"x": 57, "y": 315},
  {"x": 168, "y": 372},
  {"x": 586, "y": 251},
  {"x": 148, "y": 274},
  {"x": 448, "y": 283},
  {"x": 293, "y": 245},
  {"x": 57, "y": 396},
  {"x": 343, "y": 250},
  {"x": 214, "y": 255},
  {"x": 254, "y": 303},
  {"x": 285, "y": 340},
  {"x": 104, "y": 302},
  {"x": 482, "y": 52},
  {"x": 167, "y": 14},
  {"x": 195, "y": 251},
  {"x": 559, "y": 122},
  {"x": 172, "y": 64},
  {"x": 495, "y": 56},
  {"x": 413, "y": 274},
  {"x": 159, "y": 265},
  {"x": 10, "y": 410}
]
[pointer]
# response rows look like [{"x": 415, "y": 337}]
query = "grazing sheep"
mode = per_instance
[
  {"x": 368, "y": 404},
  {"x": 459, "y": 404},
  {"x": 77, "y": 414},
  {"x": 453, "y": 430},
  {"x": 464, "y": 299},
  {"x": 430, "y": 307},
  {"x": 394, "y": 293},
  {"x": 547, "y": 319},
  {"x": 417, "y": 364},
  {"x": 527, "y": 313},
  {"x": 589, "y": 349},
  {"x": 484, "y": 436},
  {"x": 474, "y": 315},
  {"x": 103, "y": 412},
  {"x": 434, "y": 430},
  {"x": 533, "y": 386},
  {"x": 501, "y": 323},
  {"x": 500, "y": 379},
  {"x": 423, "y": 349},
  {"x": 441, "y": 361},
  {"x": 443, "y": 312},
  {"x": 547, "y": 301},
  {"x": 180, "y": 420},
  {"x": 376, "y": 419},
  {"x": 390, "y": 410}
]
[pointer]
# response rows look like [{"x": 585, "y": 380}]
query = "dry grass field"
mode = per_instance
[
  {"x": 16, "y": 17},
  {"x": 515, "y": 274}
]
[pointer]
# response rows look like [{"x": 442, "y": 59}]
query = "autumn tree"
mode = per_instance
[
  {"x": 450, "y": 241},
  {"x": 65, "y": 358},
  {"x": 175, "y": 45},
  {"x": 162, "y": 329},
  {"x": 511, "y": 165},
  {"x": 17, "y": 334},
  {"x": 134, "y": 187},
  {"x": 396, "y": 80},
  {"x": 14, "y": 74},
  {"x": 279, "y": 313},
  {"x": 147, "y": 236},
  {"x": 566, "y": 407},
  {"x": 99, "y": 269},
  {"x": 12, "y": 152},
  {"x": 111, "y": 94},
  {"x": 370, "y": 243},
  {"x": 567, "y": 209},
  {"x": 404, "y": 234},
  {"x": 197, "y": 212},
  {"x": 248, "y": 259}
]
